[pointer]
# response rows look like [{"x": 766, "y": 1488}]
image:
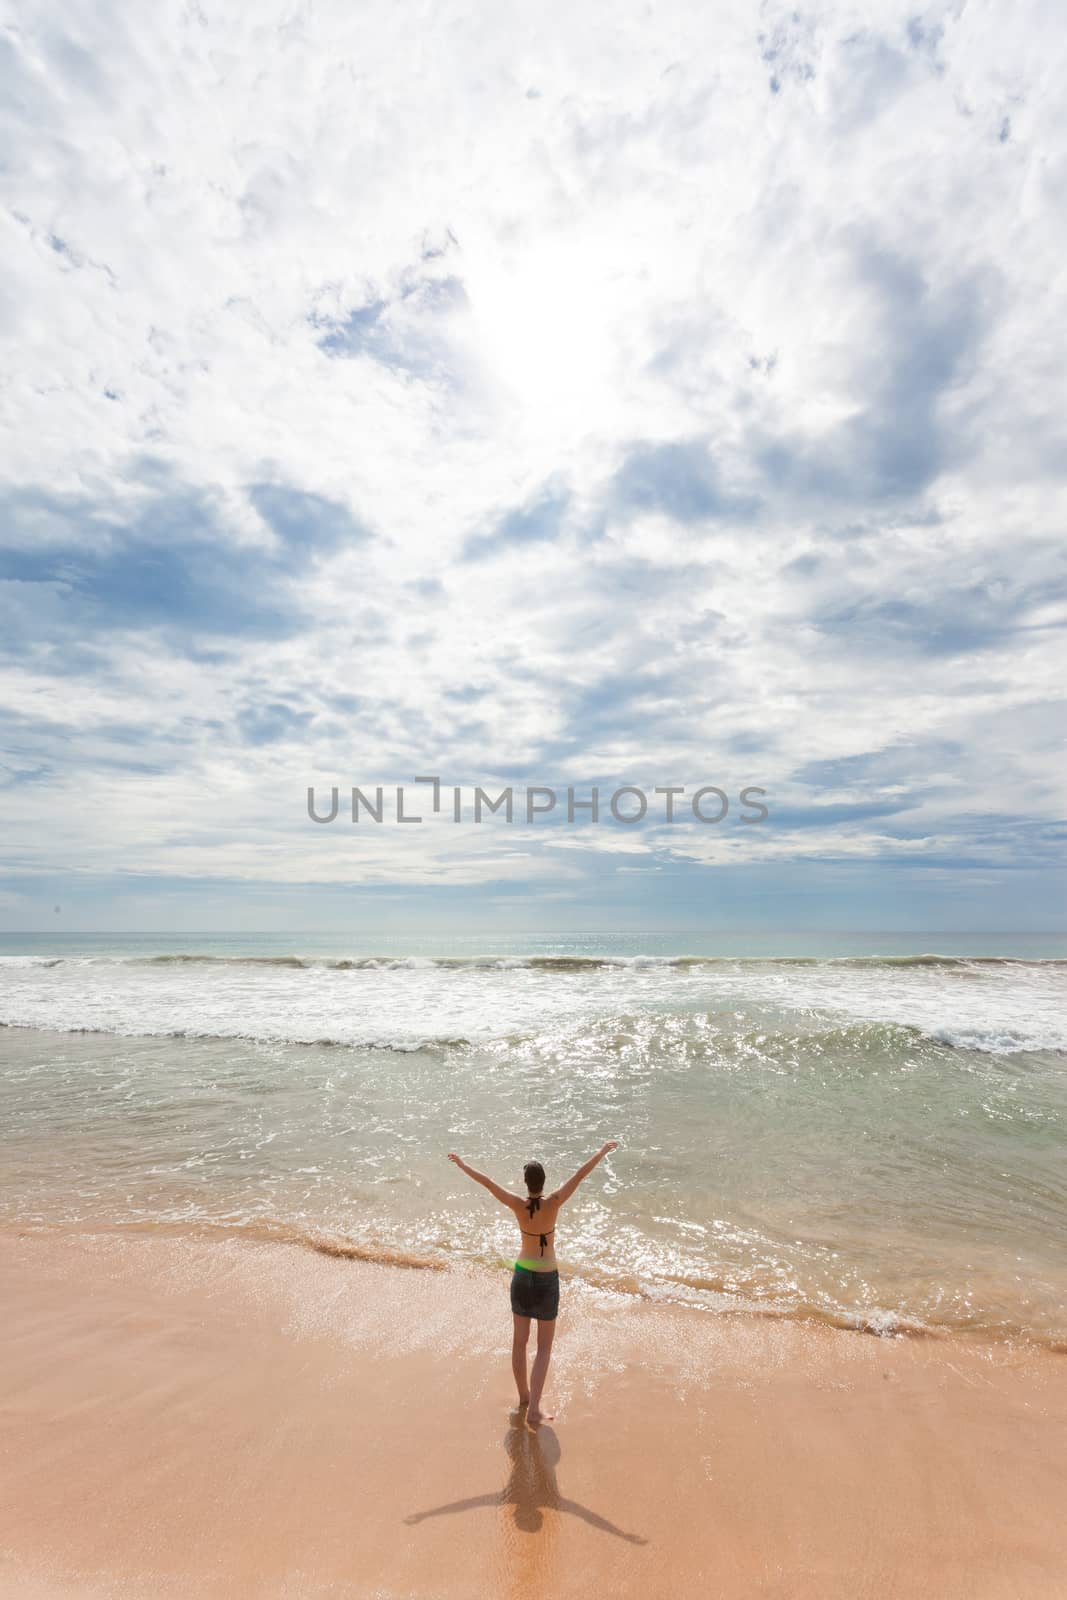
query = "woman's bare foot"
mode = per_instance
[{"x": 534, "y": 1417}]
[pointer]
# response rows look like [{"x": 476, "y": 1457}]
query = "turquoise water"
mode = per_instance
[{"x": 860, "y": 1128}]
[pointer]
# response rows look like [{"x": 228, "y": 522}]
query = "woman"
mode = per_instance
[{"x": 535, "y": 1280}]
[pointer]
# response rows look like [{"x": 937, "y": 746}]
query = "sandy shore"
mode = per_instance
[{"x": 198, "y": 1418}]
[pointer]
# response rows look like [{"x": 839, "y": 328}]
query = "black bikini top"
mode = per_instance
[{"x": 532, "y": 1205}]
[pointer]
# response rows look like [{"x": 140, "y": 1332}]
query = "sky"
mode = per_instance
[{"x": 565, "y": 395}]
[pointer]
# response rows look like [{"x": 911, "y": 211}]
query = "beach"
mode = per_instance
[
  {"x": 532, "y": 599},
  {"x": 203, "y": 1417},
  {"x": 257, "y": 1335}
]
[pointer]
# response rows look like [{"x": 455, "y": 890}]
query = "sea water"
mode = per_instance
[{"x": 847, "y": 1127}]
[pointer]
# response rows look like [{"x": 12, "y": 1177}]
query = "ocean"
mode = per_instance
[{"x": 867, "y": 1130}]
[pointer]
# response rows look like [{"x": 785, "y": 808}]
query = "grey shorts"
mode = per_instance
[{"x": 535, "y": 1294}]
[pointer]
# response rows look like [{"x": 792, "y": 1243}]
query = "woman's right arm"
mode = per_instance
[{"x": 565, "y": 1190}]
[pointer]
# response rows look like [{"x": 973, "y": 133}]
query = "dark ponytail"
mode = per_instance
[{"x": 534, "y": 1175}]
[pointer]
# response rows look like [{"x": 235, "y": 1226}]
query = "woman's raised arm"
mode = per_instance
[
  {"x": 565, "y": 1190},
  {"x": 503, "y": 1195}
]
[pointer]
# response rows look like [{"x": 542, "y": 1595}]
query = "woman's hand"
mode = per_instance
[
  {"x": 612, "y": 1144},
  {"x": 452, "y": 1156}
]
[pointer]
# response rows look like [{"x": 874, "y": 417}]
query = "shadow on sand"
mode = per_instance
[{"x": 531, "y": 1489}]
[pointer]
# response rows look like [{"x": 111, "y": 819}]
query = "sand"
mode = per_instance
[{"x": 191, "y": 1416}]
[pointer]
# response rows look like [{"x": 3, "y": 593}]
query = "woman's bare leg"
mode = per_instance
[
  {"x": 546, "y": 1332},
  {"x": 520, "y": 1339}
]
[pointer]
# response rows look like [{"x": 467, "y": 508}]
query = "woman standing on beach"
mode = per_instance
[{"x": 535, "y": 1280}]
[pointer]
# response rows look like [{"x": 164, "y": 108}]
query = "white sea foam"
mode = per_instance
[{"x": 406, "y": 1002}]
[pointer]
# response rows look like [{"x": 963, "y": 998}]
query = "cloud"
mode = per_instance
[
  {"x": 677, "y": 479},
  {"x": 903, "y": 349},
  {"x": 541, "y": 520},
  {"x": 408, "y": 331},
  {"x": 672, "y": 401},
  {"x": 171, "y": 565},
  {"x": 265, "y": 724}
]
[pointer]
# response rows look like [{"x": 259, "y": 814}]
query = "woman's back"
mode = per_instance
[{"x": 536, "y": 1216}]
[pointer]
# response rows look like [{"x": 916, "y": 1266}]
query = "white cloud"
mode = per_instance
[{"x": 687, "y": 378}]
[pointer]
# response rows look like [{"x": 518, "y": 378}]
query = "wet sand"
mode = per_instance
[{"x": 197, "y": 1417}]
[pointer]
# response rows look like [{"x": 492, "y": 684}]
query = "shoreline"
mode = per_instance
[
  {"x": 724, "y": 1304},
  {"x": 232, "y": 1417}
]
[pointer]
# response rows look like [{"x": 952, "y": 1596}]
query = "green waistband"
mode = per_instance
[{"x": 532, "y": 1266}]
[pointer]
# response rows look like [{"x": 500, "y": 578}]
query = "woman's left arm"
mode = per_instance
[{"x": 487, "y": 1183}]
